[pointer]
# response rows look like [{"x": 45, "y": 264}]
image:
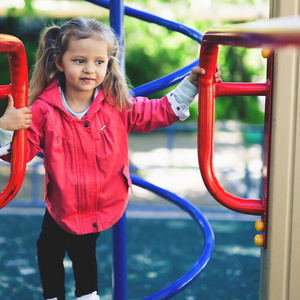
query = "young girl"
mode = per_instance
[{"x": 80, "y": 118}]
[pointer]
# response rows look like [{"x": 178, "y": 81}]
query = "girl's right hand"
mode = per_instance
[
  {"x": 15, "y": 118},
  {"x": 197, "y": 71}
]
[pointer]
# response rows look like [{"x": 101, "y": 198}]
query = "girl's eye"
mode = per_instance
[
  {"x": 80, "y": 61},
  {"x": 99, "y": 62}
]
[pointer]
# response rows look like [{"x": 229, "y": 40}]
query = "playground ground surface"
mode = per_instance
[
  {"x": 159, "y": 251},
  {"x": 162, "y": 241}
]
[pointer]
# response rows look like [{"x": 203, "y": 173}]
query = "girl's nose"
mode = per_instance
[{"x": 88, "y": 69}]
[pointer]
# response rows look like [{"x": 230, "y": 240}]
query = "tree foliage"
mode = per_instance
[{"x": 152, "y": 52}]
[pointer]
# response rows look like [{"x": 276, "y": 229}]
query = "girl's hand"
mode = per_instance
[
  {"x": 197, "y": 71},
  {"x": 15, "y": 119}
]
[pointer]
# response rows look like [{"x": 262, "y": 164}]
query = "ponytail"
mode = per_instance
[{"x": 44, "y": 69}]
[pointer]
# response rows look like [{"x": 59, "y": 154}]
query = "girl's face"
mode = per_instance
[{"x": 84, "y": 65}]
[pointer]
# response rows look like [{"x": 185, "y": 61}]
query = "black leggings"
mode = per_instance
[{"x": 52, "y": 245}]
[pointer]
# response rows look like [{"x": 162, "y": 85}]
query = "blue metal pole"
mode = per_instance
[
  {"x": 116, "y": 18},
  {"x": 181, "y": 283},
  {"x": 119, "y": 230},
  {"x": 119, "y": 260}
]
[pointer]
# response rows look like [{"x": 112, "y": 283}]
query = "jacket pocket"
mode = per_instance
[{"x": 126, "y": 174}]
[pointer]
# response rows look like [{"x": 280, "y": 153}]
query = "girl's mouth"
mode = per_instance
[{"x": 87, "y": 80}]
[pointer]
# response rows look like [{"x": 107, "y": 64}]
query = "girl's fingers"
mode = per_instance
[{"x": 10, "y": 101}]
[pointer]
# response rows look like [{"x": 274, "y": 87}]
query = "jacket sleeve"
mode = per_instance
[
  {"x": 35, "y": 135},
  {"x": 5, "y": 142},
  {"x": 5, "y": 137},
  {"x": 147, "y": 115}
]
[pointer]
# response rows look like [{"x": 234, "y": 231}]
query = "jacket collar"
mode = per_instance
[{"x": 52, "y": 96}]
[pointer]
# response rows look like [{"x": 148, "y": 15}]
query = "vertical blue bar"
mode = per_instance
[
  {"x": 119, "y": 260},
  {"x": 119, "y": 230},
  {"x": 116, "y": 17}
]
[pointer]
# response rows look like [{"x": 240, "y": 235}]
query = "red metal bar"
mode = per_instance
[
  {"x": 277, "y": 32},
  {"x": 267, "y": 145},
  {"x": 208, "y": 90},
  {"x": 19, "y": 90},
  {"x": 269, "y": 34},
  {"x": 241, "y": 89},
  {"x": 5, "y": 90}
]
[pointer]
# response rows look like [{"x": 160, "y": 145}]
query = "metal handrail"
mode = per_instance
[
  {"x": 18, "y": 89},
  {"x": 208, "y": 91},
  {"x": 279, "y": 32},
  {"x": 273, "y": 33}
]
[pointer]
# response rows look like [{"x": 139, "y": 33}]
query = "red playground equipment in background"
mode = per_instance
[{"x": 19, "y": 90}]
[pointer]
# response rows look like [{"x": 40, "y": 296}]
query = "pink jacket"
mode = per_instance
[{"x": 86, "y": 161}]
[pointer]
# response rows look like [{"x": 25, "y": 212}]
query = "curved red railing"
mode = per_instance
[
  {"x": 19, "y": 90},
  {"x": 208, "y": 92},
  {"x": 279, "y": 32}
]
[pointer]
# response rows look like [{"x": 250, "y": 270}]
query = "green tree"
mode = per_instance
[
  {"x": 237, "y": 67},
  {"x": 152, "y": 52}
]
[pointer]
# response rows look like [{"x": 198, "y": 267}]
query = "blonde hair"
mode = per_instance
[{"x": 54, "y": 41}]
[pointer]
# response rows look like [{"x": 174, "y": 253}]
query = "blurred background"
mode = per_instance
[
  {"x": 163, "y": 242},
  {"x": 153, "y": 51}
]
